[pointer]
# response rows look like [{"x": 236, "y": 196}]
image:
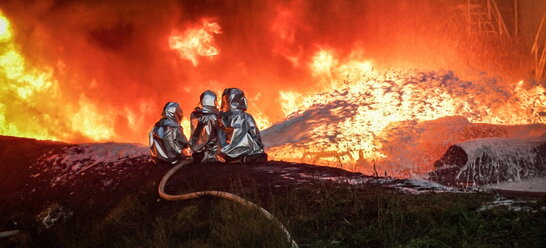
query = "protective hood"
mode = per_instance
[
  {"x": 173, "y": 112},
  {"x": 239, "y": 135},
  {"x": 233, "y": 99},
  {"x": 167, "y": 139},
  {"x": 207, "y": 103}
]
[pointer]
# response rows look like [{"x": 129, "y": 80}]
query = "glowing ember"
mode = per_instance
[{"x": 198, "y": 41}]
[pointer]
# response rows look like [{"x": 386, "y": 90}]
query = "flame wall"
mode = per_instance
[{"x": 82, "y": 71}]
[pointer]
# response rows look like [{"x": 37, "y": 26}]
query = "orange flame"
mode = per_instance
[
  {"x": 27, "y": 86},
  {"x": 283, "y": 28},
  {"x": 101, "y": 73},
  {"x": 194, "y": 42},
  {"x": 385, "y": 99},
  {"x": 323, "y": 63},
  {"x": 25, "y": 82}
]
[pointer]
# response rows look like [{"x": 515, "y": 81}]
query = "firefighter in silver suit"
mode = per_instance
[
  {"x": 204, "y": 129},
  {"x": 167, "y": 141},
  {"x": 239, "y": 136}
]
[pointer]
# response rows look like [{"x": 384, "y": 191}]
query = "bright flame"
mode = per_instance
[
  {"x": 355, "y": 67},
  {"x": 261, "y": 120},
  {"x": 371, "y": 104},
  {"x": 34, "y": 99},
  {"x": 5, "y": 29},
  {"x": 326, "y": 66},
  {"x": 186, "y": 127},
  {"x": 99, "y": 83},
  {"x": 20, "y": 83},
  {"x": 92, "y": 121},
  {"x": 322, "y": 63},
  {"x": 197, "y": 41},
  {"x": 290, "y": 101}
]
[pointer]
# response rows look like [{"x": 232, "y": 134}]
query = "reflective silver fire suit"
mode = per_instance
[
  {"x": 204, "y": 129},
  {"x": 238, "y": 134},
  {"x": 167, "y": 139}
]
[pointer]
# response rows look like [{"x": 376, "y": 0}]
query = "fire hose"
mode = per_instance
[
  {"x": 6, "y": 234},
  {"x": 219, "y": 194}
]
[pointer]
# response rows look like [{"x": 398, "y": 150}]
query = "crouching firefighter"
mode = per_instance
[
  {"x": 204, "y": 129},
  {"x": 167, "y": 141},
  {"x": 238, "y": 134}
]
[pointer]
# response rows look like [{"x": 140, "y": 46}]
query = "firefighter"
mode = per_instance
[
  {"x": 239, "y": 136},
  {"x": 168, "y": 143},
  {"x": 204, "y": 129}
]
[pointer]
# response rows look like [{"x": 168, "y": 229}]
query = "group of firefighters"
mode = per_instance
[{"x": 228, "y": 134}]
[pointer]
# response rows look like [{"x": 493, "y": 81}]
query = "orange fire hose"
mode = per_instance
[{"x": 220, "y": 194}]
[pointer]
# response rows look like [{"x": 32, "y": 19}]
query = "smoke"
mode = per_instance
[{"x": 110, "y": 69}]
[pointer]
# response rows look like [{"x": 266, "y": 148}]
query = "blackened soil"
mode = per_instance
[{"x": 26, "y": 192}]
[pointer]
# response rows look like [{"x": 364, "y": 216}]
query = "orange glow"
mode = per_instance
[
  {"x": 323, "y": 63},
  {"x": 102, "y": 71},
  {"x": 386, "y": 99},
  {"x": 91, "y": 121},
  {"x": 5, "y": 29},
  {"x": 25, "y": 82},
  {"x": 283, "y": 27},
  {"x": 29, "y": 86},
  {"x": 195, "y": 42},
  {"x": 290, "y": 101},
  {"x": 261, "y": 120}
]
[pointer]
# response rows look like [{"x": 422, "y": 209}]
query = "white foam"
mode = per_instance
[
  {"x": 528, "y": 185},
  {"x": 509, "y": 159},
  {"x": 75, "y": 160}
]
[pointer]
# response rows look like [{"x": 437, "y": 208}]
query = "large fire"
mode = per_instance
[
  {"x": 19, "y": 84},
  {"x": 371, "y": 106},
  {"x": 366, "y": 71}
]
